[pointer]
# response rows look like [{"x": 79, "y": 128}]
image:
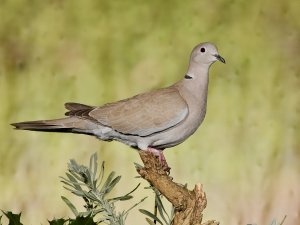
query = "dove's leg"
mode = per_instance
[{"x": 161, "y": 158}]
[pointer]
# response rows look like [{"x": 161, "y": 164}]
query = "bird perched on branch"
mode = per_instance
[{"x": 151, "y": 121}]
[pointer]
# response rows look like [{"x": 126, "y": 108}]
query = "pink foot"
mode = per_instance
[{"x": 161, "y": 158}]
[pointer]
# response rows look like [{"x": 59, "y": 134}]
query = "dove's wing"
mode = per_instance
[{"x": 143, "y": 114}]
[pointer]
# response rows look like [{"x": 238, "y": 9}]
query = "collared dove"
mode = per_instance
[{"x": 150, "y": 121}]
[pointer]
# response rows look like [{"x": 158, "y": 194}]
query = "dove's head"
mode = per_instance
[{"x": 206, "y": 53}]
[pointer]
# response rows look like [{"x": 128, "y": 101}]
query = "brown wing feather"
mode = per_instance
[
  {"x": 79, "y": 110},
  {"x": 77, "y": 106},
  {"x": 143, "y": 114}
]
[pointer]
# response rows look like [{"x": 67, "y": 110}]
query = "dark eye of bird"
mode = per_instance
[{"x": 202, "y": 49}]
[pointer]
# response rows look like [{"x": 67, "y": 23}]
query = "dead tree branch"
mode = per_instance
[{"x": 188, "y": 205}]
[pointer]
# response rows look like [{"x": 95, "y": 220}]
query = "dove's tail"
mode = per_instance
[
  {"x": 64, "y": 125},
  {"x": 57, "y": 125},
  {"x": 77, "y": 122}
]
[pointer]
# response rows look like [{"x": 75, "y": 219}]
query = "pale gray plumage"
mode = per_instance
[{"x": 158, "y": 119}]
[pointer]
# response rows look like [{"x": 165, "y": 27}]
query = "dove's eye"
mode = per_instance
[{"x": 202, "y": 50}]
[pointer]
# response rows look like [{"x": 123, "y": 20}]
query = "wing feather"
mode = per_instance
[{"x": 143, "y": 114}]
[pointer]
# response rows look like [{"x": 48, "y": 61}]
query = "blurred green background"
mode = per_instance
[{"x": 247, "y": 151}]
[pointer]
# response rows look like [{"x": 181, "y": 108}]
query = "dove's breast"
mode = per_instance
[{"x": 196, "y": 99}]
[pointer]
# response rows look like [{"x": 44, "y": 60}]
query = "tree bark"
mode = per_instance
[{"x": 188, "y": 205}]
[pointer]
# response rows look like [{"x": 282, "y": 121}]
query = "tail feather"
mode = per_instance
[
  {"x": 64, "y": 125},
  {"x": 43, "y": 125},
  {"x": 69, "y": 124}
]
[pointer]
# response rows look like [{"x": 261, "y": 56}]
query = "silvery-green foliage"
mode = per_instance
[
  {"x": 89, "y": 184},
  {"x": 160, "y": 214}
]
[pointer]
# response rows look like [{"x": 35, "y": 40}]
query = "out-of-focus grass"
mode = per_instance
[{"x": 247, "y": 151}]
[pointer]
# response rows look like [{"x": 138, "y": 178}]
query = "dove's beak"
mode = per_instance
[{"x": 220, "y": 58}]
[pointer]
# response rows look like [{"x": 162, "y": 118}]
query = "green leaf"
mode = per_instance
[
  {"x": 87, "y": 174},
  {"x": 133, "y": 190},
  {"x": 112, "y": 184},
  {"x": 172, "y": 213},
  {"x": 74, "y": 181},
  {"x": 14, "y": 219},
  {"x": 121, "y": 198},
  {"x": 126, "y": 196},
  {"x": 101, "y": 175},
  {"x": 138, "y": 166},
  {"x": 91, "y": 162},
  {"x": 78, "y": 193},
  {"x": 69, "y": 185},
  {"x": 95, "y": 212},
  {"x": 71, "y": 206},
  {"x": 151, "y": 215},
  {"x": 107, "y": 182},
  {"x": 283, "y": 220},
  {"x": 57, "y": 221},
  {"x": 94, "y": 167},
  {"x": 91, "y": 196},
  {"x": 150, "y": 221},
  {"x": 72, "y": 184},
  {"x": 136, "y": 204},
  {"x": 161, "y": 208},
  {"x": 78, "y": 177},
  {"x": 83, "y": 221}
]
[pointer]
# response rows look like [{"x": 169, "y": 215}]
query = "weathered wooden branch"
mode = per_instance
[{"x": 188, "y": 205}]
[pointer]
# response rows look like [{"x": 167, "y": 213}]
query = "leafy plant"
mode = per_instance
[
  {"x": 274, "y": 222},
  {"x": 160, "y": 214},
  {"x": 14, "y": 219},
  {"x": 88, "y": 184}
]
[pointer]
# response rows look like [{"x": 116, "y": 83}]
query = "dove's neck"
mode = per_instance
[
  {"x": 194, "y": 86},
  {"x": 193, "y": 89},
  {"x": 196, "y": 79},
  {"x": 196, "y": 71}
]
